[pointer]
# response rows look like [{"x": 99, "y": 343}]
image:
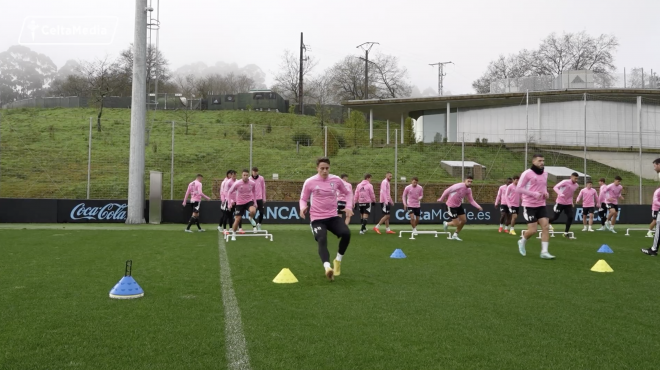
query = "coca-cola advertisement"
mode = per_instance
[{"x": 92, "y": 210}]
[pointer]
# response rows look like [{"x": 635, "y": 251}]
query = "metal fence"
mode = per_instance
[{"x": 41, "y": 159}]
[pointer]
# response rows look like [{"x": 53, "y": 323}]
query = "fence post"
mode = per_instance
[
  {"x": 402, "y": 122},
  {"x": 639, "y": 125},
  {"x": 396, "y": 164},
  {"x": 388, "y": 132},
  {"x": 89, "y": 156},
  {"x": 585, "y": 139},
  {"x": 463, "y": 158},
  {"x": 526, "y": 127},
  {"x": 325, "y": 144},
  {"x": 251, "y": 146},
  {"x": 371, "y": 128},
  {"x": 172, "y": 166}
]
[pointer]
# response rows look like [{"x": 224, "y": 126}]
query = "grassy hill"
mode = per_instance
[{"x": 44, "y": 151}]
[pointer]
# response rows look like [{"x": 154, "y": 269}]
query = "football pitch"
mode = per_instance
[{"x": 475, "y": 304}]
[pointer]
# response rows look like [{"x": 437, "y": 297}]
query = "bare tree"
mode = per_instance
[
  {"x": 391, "y": 81},
  {"x": 287, "y": 78},
  {"x": 100, "y": 79},
  {"x": 347, "y": 78},
  {"x": 157, "y": 65},
  {"x": 513, "y": 66}
]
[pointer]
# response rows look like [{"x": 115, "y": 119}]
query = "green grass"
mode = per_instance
[
  {"x": 44, "y": 151},
  {"x": 475, "y": 304}
]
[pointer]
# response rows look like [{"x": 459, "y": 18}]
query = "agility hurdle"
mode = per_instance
[
  {"x": 413, "y": 233},
  {"x": 633, "y": 229},
  {"x": 570, "y": 234},
  {"x": 262, "y": 233}
]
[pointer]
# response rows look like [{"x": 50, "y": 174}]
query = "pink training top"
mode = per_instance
[
  {"x": 230, "y": 197},
  {"x": 565, "y": 190},
  {"x": 589, "y": 197},
  {"x": 601, "y": 194},
  {"x": 412, "y": 196},
  {"x": 501, "y": 196},
  {"x": 455, "y": 194},
  {"x": 533, "y": 187},
  {"x": 322, "y": 194},
  {"x": 656, "y": 200},
  {"x": 244, "y": 192},
  {"x": 612, "y": 193},
  {"x": 260, "y": 189},
  {"x": 364, "y": 193},
  {"x": 223, "y": 189},
  {"x": 512, "y": 196},
  {"x": 343, "y": 198},
  {"x": 195, "y": 192},
  {"x": 385, "y": 196}
]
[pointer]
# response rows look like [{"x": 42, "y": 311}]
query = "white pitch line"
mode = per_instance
[{"x": 237, "y": 353}]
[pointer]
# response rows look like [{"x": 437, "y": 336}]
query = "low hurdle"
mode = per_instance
[
  {"x": 263, "y": 233},
  {"x": 413, "y": 233},
  {"x": 570, "y": 234},
  {"x": 634, "y": 229}
]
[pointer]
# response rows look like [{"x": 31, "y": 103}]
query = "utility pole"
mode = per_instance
[
  {"x": 366, "y": 47},
  {"x": 303, "y": 58},
  {"x": 440, "y": 74}
]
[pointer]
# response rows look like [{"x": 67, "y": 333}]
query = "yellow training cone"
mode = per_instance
[
  {"x": 285, "y": 277},
  {"x": 602, "y": 266}
]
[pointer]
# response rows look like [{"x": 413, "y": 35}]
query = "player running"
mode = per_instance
[
  {"x": 386, "y": 204},
  {"x": 655, "y": 207},
  {"x": 225, "y": 213},
  {"x": 412, "y": 196},
  {"x": 653, "y": 251},
  {"x": 196, "y": 194},
  {"x": 345, "y": 203},
  {"x": 365, "y": 198},
  {"x": 501, "y": 200},
  {"x": 533, "y": 185},
  {"x": 565, "y": 190},
  {"x": 322, "y": 189},
  {"x": 454, "y": 195},
  {"x": 602, "y": 208},
  {"x": 244, "y": 199},
  {"x": 612, "y": 196},
  {"x": 589, "y": 198},
  {"x": 513, "y": 199},
  {"x": 260, "y": 194}
]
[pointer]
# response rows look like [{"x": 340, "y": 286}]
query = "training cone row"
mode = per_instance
[
  {"x": 285, "y": 277},
  {"x": 601, "y": 265}
]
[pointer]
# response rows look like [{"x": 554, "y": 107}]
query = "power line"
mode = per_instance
[
  {"x": 441, "y": 75},
  {"x": 366, "y": 47}
]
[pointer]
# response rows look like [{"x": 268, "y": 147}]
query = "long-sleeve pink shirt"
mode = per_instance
[
  {"x": 565, "y": 190},
  {"x": 223, "y": 189},
  {"x": 533, "y": 187},
  {"x": 601, "y": 194},
  {"x": 230, "y": 197},
  {"x": 412, "y": 196},
  {"x": 260, "y": 189},
  {"x": 244, "y": 192},
  {"x": 343, "y": 198},
  {"x": 455, "y": 194},
  {"x": 512, "y": 196},
  {"x": 612, "y": 193},
  {"x": 385, "y": 196},
  {"x": 322, "y": 194},
  {"x": 656, "y": 200},
  {"x": 501, "y": 196},
  {"x": 589, "y": 197},
  {"x": 195, "y": 192},
  {"x": 364, "y": 193}
]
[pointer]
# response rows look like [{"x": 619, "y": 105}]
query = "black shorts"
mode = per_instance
[
  {"x": 365, "y": 208},
  {"x": 504, "y": 209},
  {"x": 414, "y": 211},
  {"x": 224, "y": 206},
  {"x": 195, "y": 207},
  {"x": 455, "y": 212},
  {"x": 602, "y": 208},
  {"x": 654, "y": 215},
  {"x": 533, "y": 214},
  {"x": 241, "y": 208},
  {"x": 385, "y": 208},
  {"x": 341, "y": 206},
  {"x": 335, "y": 225},
  {"x": 615, "y": 207},
  {"x": 566, "y": 208},
  {"x": 587, "y": 210},
  {"x": 513, "y": 210}
]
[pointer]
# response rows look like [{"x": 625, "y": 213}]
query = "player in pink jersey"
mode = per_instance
[
  {"x": 260, "y": 193},
  {"x": 533, "y": 186},
  {"x": 653, "y": 251},
  {"x": 411, "y": 198},
  {"x": 244, "y": 198},
  {"x": 655, "y": 207},
  {"x": 386, "y": 204},
  {"x": 513, "y": 199},
  {"x": 196, "y": 194},
  {"x": 225, "y": 213},
  {"x": 565, "y": 190},
  {"x": 602, "y": 207},
  {"x": 589, "y": 199},
  {"x": 612, "y": 196},
  {"x": 500, "y": 200},
  {"x": 344, "y": 203},
  {"x": 364, "y": 199},
  {"x": 321, "y": 191},
  {"x": 454, "y": 196},
  {"x": 231, "y": 202}
]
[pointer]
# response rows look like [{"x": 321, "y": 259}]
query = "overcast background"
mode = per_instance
[{"x": 469, "y": 33}]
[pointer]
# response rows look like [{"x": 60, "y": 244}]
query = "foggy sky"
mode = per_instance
[{"x": 469, "y": 33}]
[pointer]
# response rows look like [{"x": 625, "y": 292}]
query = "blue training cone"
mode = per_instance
[
  {"x": 398, "y": 253},
  {"x": 127, "y": 287},
  {"x": 605, "y": 249}
]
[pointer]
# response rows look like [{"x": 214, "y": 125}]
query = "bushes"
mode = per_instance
[{"x": 303, "y": 138}]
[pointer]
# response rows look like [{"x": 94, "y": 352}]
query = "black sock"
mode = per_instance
[
  {"x": 364, "y": 224},
  {"x": 197, "y": 223},
  {"x": 192, "y": 221}
]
